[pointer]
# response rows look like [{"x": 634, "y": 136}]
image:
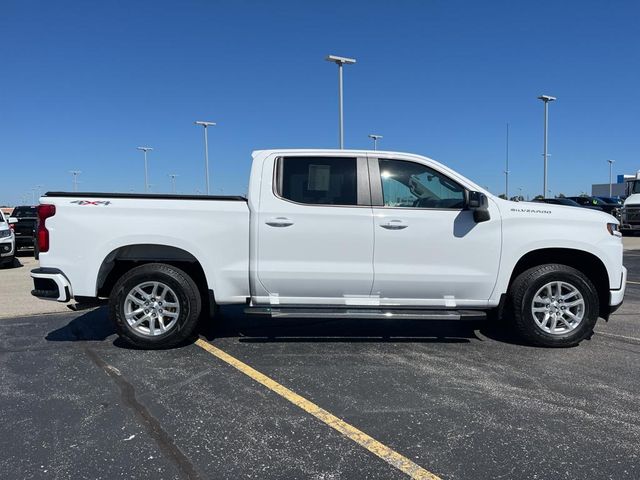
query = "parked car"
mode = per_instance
[
  {"x": 564, "y": 201},
  {"x": 7, "y": 240},
  {"x": 25, "y": 229},
  {"x": 614, "y": 200},
  {"x": 610, "y": 208},
  {"x": 333, "y": 234}
]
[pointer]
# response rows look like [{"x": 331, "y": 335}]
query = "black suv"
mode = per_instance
[
  {"x": 612, "y": 208},
  {"x": 25, "y": 229}
]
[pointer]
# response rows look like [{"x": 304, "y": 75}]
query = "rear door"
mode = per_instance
[
  {"x": 315, "y": 231},
  {"x": 428, "y": 249}
]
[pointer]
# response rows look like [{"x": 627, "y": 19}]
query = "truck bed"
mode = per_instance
[{"x": 90, "y": 229}]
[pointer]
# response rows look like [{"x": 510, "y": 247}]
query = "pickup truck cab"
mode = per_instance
[{"x": 333, "y": 233}]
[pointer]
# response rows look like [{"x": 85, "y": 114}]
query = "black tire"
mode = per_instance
[
  {"x": 7, "y": 262},
  {"x": 525, "y": 287},
  {"x": 187, "y": 296}
]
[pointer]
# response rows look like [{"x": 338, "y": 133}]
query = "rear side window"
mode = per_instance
[{"x": 318, "y": 180}]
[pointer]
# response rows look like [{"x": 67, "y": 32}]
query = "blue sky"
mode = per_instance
[{"x": 83, "y": 83}]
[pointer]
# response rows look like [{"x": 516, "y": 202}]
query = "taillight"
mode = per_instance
[{"x": 44, "y": 212}]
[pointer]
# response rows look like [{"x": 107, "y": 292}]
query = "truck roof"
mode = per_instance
[{"x": 331, "y": 151}]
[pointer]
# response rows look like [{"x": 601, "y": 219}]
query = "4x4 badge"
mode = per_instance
[{"x": 92, "y": 202}]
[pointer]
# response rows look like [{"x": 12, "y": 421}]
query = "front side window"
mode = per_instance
[
  {"x": 318, "y": 180},
  {"x": 413, "y": 185}
]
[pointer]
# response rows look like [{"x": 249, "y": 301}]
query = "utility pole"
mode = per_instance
[
  {"x": 146, "y": 168},
  {"x": 546, "y": 99},
  {"x": 340, "y": 61}
]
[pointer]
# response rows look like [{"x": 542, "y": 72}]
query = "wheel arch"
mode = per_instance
[
  {"x": 122, "y": 259},
  {"x": 587, "y": 263}
]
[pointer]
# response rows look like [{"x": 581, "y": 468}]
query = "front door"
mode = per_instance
[
  {"x": 315, "y": 232},
  {"x": 428, "y": 249}
]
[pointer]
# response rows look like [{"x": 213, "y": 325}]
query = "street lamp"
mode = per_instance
[
  {"x": 506, "y": 171},
  {"x": 610, "y": 177},
  {"x": 206, "y": 150},
  {"x": 375, "y": 139},
  {"x": 75, "y": 174},
  {"x": 546, "y": 99},
  {"x": 340, "y": 61},
  {"x": 146, "y": 167},
  {"x": 173, "y": 176}
]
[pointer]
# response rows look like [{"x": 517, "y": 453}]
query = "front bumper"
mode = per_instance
[
  {"x": 51, "y": 284},
  {"x": 616, "y": 297}
]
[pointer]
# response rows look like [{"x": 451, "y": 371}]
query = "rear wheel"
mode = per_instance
[
  {"x": 554, "y": 305},
  {"x": 155, "y": 306}
]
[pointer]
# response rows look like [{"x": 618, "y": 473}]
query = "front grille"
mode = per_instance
[
  {"x": 632, "y": 215},
  {"x": 24, "y": 231}
]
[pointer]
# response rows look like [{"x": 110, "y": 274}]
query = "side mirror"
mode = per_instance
[
  {"x": 11, "y": 220},
  {"x": 479, "y": 203}
]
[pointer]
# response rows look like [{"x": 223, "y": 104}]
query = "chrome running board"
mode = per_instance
[{"x": 350, "y": 312}]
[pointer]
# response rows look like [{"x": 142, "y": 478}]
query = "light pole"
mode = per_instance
[
  {"x": 146, "y": 168},
  {"x": 520, "y": 196},
  {"x": 375, "y": 139},
  {"x": 610, "y": 177},
  {"x": 206, "y": 150},
  {"x": 173, "y": 176},
  {"x": 506, "y": 171},
  {"x": 546, "y": 99},
  {"x": 75, "y": 174},
  {"x": 340, "y": 61}
]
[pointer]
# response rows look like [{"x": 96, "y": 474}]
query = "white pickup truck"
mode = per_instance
[
  {"x": 630, "y": 218},
  {"x": 332, "y": 233}
]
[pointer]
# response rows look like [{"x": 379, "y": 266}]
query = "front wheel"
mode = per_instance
[
  {"x": 155, "y": 306},
  {"x": 554, "y": 305}
]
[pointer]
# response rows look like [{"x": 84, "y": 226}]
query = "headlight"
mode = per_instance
[
  {"x": 614, "y": 229},
  {"x": 5, "y": 233}
]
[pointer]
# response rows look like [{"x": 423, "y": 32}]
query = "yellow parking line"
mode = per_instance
[
  {"x": 635, "y": 283},
  {"x": 390, "y": 456}
]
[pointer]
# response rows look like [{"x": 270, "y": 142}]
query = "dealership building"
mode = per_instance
[{"x": 618, "y": 189}]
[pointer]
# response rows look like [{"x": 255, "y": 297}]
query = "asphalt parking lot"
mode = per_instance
[{"x": 462, "y": 400}]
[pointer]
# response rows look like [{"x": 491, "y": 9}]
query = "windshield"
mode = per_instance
[
  {"x": 635, "y": 187},
  {"x": 1, "y": 217},
  {"x": 22, "y": 212}
]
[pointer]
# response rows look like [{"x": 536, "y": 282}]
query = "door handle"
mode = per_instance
[
  {"x": 394, "y": 225},
  {"x": 279, "y": 222}
]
